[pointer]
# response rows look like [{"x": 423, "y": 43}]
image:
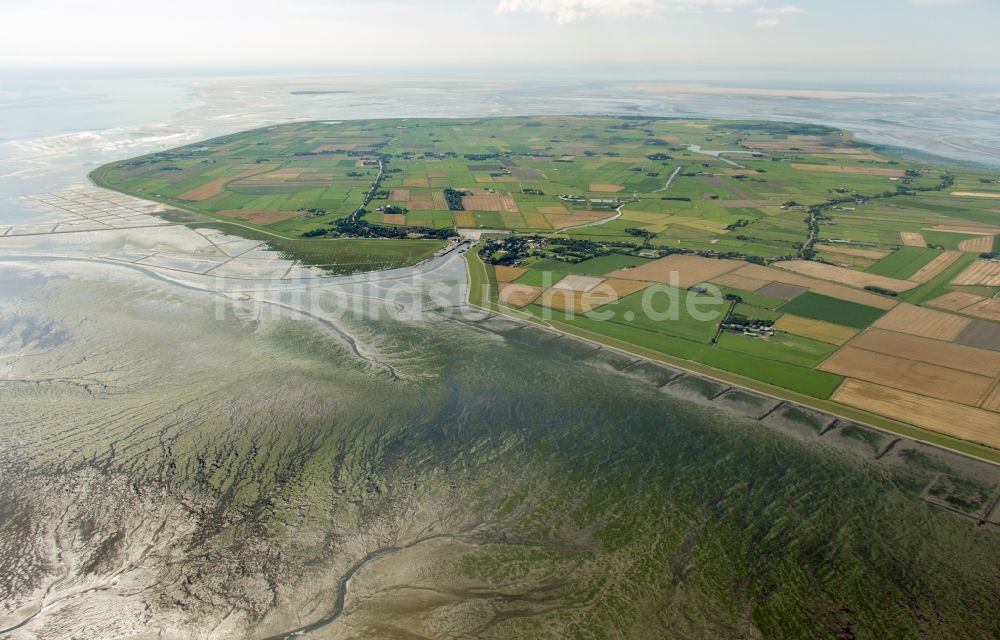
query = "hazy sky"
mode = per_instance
[{"x": 341, "y": 34}]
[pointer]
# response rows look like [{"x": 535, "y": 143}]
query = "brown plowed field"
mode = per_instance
[
  {"x": 954, "y": 356},
  {"x": 682, "y": 271},
  {"x": 910, "y": 375}
]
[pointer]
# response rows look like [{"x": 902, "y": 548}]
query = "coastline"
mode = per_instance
[{"x": 478, "y": 277}]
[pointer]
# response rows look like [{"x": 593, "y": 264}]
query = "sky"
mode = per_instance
[{"x": 861, "y": 35}]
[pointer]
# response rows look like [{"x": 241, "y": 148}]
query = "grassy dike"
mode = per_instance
[{"x": 483, "y": 294}]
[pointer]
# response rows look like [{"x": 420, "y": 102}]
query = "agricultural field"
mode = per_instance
[
  {"x": 781, "y": 253},
  {"x": 896, "y": 300}
]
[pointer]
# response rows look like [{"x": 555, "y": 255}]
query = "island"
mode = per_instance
[{"x": 852, "y": 279}]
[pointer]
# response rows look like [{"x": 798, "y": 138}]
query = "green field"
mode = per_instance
[
  {"x": 819, "y": 307},
  {"x": 903, "y": 262}
]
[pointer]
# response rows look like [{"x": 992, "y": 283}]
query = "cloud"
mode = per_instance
[
  {"x": 778, "y": 11},
  {"x": 565, "y": 11},
  {"x": 942, "y": 2},
  {"x": 772, "y": 15}
]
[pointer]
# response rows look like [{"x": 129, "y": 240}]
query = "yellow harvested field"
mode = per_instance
[
  {"x": 946, "y": 354},
  {"x": 848, "y": 262},
  {"x": 858, "y": 279},
  {"x": 909, "y": 375},
  {"x": 988, "y": 309},
  {"x": 744, "y": 283},
  {"x": 606, "y": 188},
  {"x": 624, "y": 288},
  {"x": 399, "y": 195},
  {"x": 981, "y": 272},
  {"x": 643, "y": 216},
  {"x": 918, "y": 321},
  {"x": 422, "y": 203},
  {"x": 205, "y": 191},
  {"x": 494, "y": 179},
  {"x": 536, "y": 221},
  {"x": 975, "y": 194},
  {"x": 814, "y": 329},
  {"x": 837, "y": 168},
  {"x": 839, "y": 154},
  {"x": 912, "y": 239},
  {"x": 821, "y": 287},
  {"x": 281, "y": 176},
  {"x": 975, "y": 228},
  {"x": 465, "y": 220},
  {"x": 680, "y": 271},
  {"x": 951, "y": 418},
  {"x": 982, "y": 244},
  {"x": 486, "y": 200},
  {"x": 874, "y": 254},
  {"x": 576, "y": 301},
  {"x": 992, "y": 402},
  {"x": 955, "y": 301},
  {"x": 518, "y": 295},
  {"x": 509, "y": 274},
  {"x": 575, "y": 282},
  {"x": 440, "y": 202},
  {"x": 573, "y": 219},
  {"x": 933, "y": 268}
]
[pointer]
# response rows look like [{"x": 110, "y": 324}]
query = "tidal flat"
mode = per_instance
[
  {"x": 168, "y": 474},
  {"x": 188, "y": 455}
]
